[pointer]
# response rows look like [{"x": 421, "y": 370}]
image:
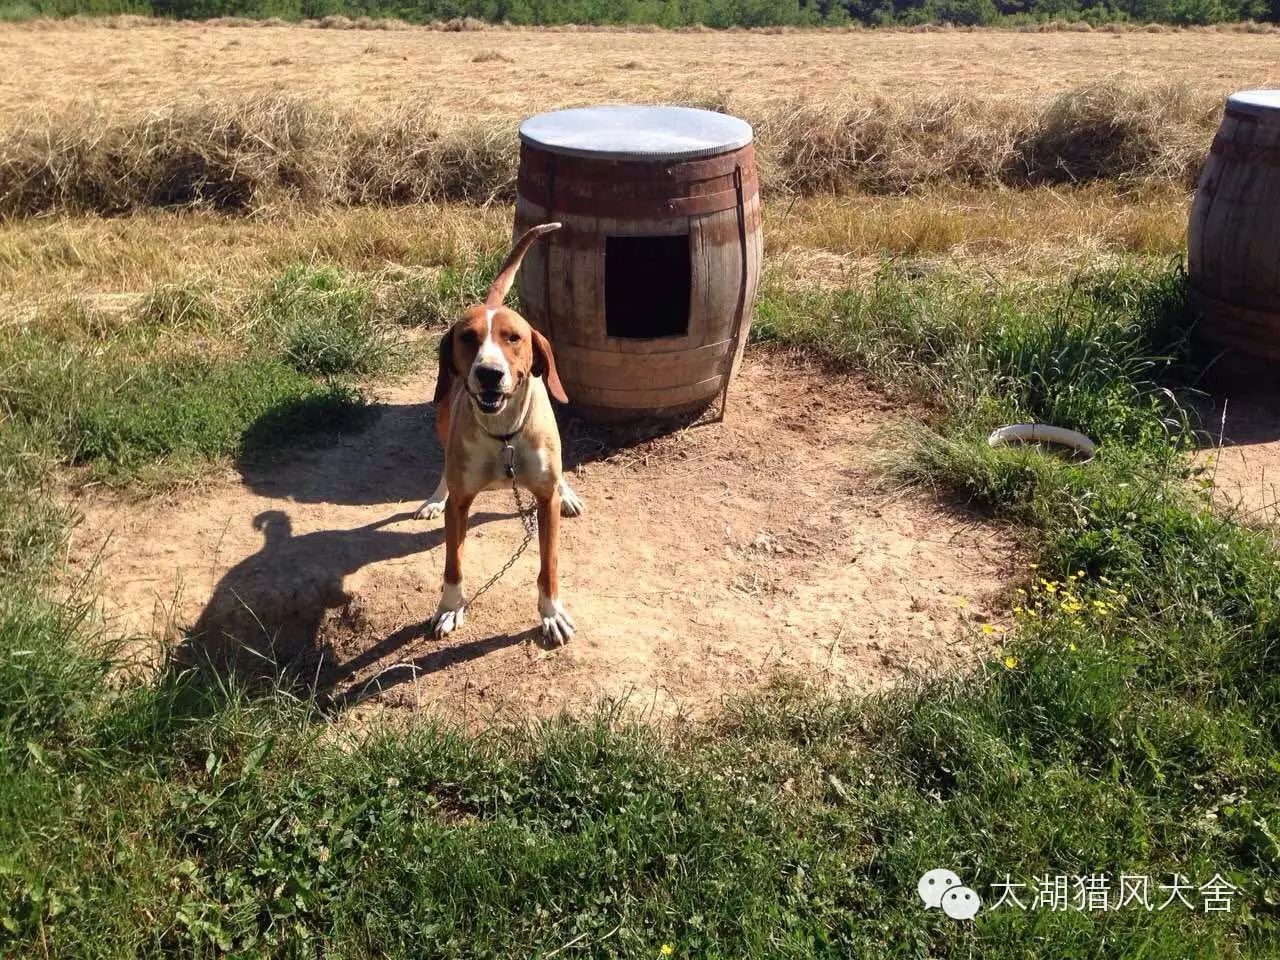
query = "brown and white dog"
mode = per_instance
[{"x": 496, "y": 372}]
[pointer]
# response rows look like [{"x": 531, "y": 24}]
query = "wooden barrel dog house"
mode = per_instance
[
  {"x": 646, "y": 291},
  {"x": 1233, "y": 239}
]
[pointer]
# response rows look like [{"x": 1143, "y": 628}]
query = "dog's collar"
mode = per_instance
[
  {"x": 508, "y": 451},
  {"x": 505, "y": 437}
]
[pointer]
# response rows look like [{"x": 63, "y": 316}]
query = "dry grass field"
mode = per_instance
[
  {"x": 509, "y": 74},
  {"x": 903, "y": 144}
]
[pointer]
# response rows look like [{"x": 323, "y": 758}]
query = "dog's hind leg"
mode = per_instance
[
  {"x": 570, "y": 504},
  {"x": 433, "y": 506}
]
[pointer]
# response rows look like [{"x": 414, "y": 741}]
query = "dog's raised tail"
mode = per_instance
[{"x": 507, "y": 275}]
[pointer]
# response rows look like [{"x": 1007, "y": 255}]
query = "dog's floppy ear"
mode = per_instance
[
  {"x": 507, "y": 275},
  {"x": 544, "y": 365},
  {"x": 444, "y": 377}
]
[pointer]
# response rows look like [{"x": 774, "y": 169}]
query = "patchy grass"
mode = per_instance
[
  {"x": 440, "y": 301},
  {"x": 1071, "y": 354},
  {"x": 443, "y": 251},
  {"x": 166, "y": 389},
  {"x": 1005, "y": 232},
  {"x": 229, "y": 256},
  {"x": 171, "y": 416},
  {"x": 188, "y": 307},
  {"x": 33, "y": 522},
  {"x": 1126, "y": 724}
]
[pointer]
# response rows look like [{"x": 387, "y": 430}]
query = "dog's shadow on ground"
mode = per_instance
[{"x": 266, "y": 614}]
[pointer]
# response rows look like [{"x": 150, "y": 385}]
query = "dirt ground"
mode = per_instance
[
  {"x": 515, "y": 73},
  {"x": 707, "y": 560}
]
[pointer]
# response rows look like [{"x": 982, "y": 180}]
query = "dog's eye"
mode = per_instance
[
  {"x": 513, "y": 338},
  {"x": 470, "y": 338}
]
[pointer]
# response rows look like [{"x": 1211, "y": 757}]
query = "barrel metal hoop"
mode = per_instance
[
  {"x": 1235, "y": 114},
  {"x": 653, "y": 208},
  {"x": 534, "y": 162},
  {"x": 732, "y": 353},
  {"x": 634, "y": 189}
]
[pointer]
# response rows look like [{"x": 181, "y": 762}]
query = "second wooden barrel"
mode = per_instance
[
  {"x": 646, "y": 292},
  {"x": 1233, "y": 239}
]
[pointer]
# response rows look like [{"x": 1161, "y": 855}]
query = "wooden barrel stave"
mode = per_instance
[
  {"x": 656, "y": 398},
  {"x": 1233, "y": 237},
  {"x": 586, "y": 371}
]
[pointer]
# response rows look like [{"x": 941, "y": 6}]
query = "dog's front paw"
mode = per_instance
[
  {"x": 557, "y": 625},
  {"x": 430, "y": 510},
  {"x": 451, "y": 612},
  {"x": 444, "y": 621},
  {"x": 570, "y": 503}
]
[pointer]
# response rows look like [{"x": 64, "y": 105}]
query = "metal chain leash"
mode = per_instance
[{"x": 528, "y": 518}]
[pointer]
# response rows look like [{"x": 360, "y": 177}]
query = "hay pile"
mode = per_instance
[
  {"x": 1106, "y": 131},
  {"x": 259, "y": 153}
]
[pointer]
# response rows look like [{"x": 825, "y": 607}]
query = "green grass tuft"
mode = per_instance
[
  {"x": 189, "y": 308},
  {"x": 1088, "y": 354},
  {"x": 124, "y": 418},
  {"x": 324, "y": 322},
  {"x": 185, "y": 380},
  {"x": 194, "y": 408}
]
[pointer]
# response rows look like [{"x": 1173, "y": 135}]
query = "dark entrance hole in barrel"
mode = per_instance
[{"x": 647, "y": 286}]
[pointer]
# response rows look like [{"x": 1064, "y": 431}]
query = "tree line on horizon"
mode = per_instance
[{"x": 682, "y": 13}]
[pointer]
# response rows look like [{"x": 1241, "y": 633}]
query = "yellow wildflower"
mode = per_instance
[
  {"x": 1010, "y": 662},
  {"x": 667, "y": 950}
]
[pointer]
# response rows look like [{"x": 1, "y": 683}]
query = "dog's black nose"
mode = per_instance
[{"x": 489, "y": 378}]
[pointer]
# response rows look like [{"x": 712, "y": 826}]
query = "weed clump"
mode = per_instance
[{"x": 1114, "y": 131}]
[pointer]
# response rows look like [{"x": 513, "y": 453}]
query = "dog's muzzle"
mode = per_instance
[{"x": 489, "y": 398}]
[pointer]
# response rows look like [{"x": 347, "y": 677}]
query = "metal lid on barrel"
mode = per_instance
[
  {"x": 636, "y": 133},
  {"x": 1256, "y": 104}
]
